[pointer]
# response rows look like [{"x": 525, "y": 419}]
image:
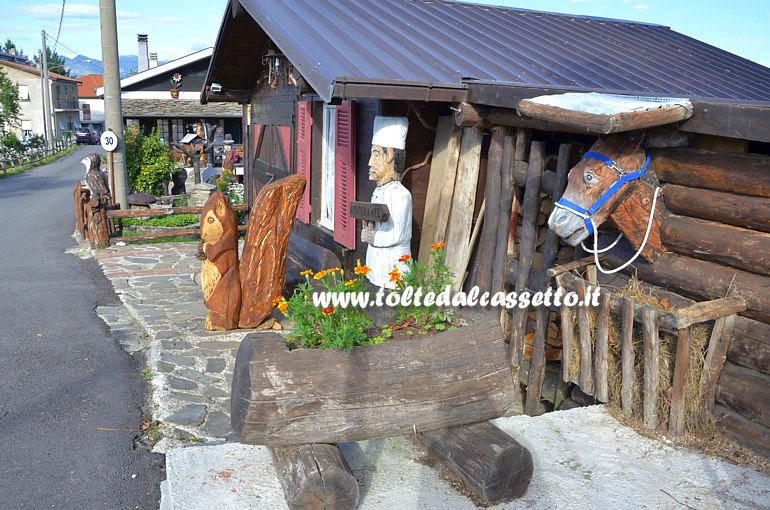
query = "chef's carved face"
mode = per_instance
[{"x": 382, "y": 165}]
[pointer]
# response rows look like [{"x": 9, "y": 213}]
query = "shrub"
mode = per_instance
[
  {"x": 133, "y": 141},
  {"x": 156, "y": 165}
]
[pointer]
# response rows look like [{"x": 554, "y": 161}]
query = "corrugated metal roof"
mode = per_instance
[{"x": 450, "y": 44}]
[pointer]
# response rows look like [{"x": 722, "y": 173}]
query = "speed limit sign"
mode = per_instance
[{"x": 109, "y": 141}]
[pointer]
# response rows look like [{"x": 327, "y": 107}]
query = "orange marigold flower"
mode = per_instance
[
  {"x": 394, "y": 275},
  {"x": 364, "y": 270},
  {"x": 404, "y": 258},
  {"x": 277, "y": 300},
  {"x": 437, "y": 246},
  {"x": 351, "y": 282},
  {"x": 319, "y": 275},
  {"x": 306, "y": 272},
  {"x": 282, "y": 306},
  {"x": 328, "y": 310}
]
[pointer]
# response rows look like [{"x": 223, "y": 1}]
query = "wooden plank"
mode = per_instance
[
  {"x": 742, "y": 121},
  {"x": 570, "y": 266},
  {"x": 729, "y": 208},
  {"x": 507, "y": 192},
  {"x": 446, "y": 150},
  {"x": 474, "y": 237},
  {"x": 537, "y": 366},
  {"x": 304, "y": 396},
  {"x": 586, "y": 380},
  {"x": 446, "y": 197},
  {"x": 651, "y": 367},
  {"x": 628, "y": 378},
  {"x": 715, "y": 360},
  {"x": 315, "y": 477},
  {"x": 567, "y": 336},
  {"x": 492, "y": 199},
  {"x": 745, "y": 391},
  {"x": 530, "y": 210},
  {"x": 153, "y": 213},
  {"x": 601, "y": 354},
  {"x": 676, "y": 420},
  {"x": 746, "y": 174},
  {"x": 703, "y": 312},
  {"x": 750, "y": 345},
  {"x": 463, "y": 202},
  {"x": 599, "y": 113},
  {"x": 737, "y": 247},
  {"x": 494, "y": 466},
  {"x": 743, "y": 431}
]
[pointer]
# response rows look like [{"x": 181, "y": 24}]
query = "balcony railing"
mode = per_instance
[{"x": 66, "y": 104}]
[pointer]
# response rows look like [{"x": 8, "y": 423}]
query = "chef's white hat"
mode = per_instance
[{"x": 390, "y": 132}]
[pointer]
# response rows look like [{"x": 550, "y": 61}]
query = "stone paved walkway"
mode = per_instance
[{"x": 190, "y": 368}]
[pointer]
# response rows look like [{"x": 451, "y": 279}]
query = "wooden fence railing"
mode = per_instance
[{"x": 33, "y": 156}]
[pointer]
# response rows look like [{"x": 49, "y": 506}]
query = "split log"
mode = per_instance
[
  {"x": 715, "y": 360},
  {"x": 750, "y": 345},
  {"x": 651, "y": 348},
  {"x": 676, "y": 421},
  {"x": 463, "y": 202},
  {"x": 443, "y": 168},
  {"x": 733, "y": 246},
  {"x": 471, "y": 115},
  {"x": 567, "y": 336},
  {"x": 537, "y": 366},
  {"x": 729, "y": 208},
  {"x": 745, "y": 391},
  {"x": 531, "y": 205},
  {"x": 601, "y": 354},
  {"x": 736, "y": 173},
  {"x": 315, "y": 477},
  {"x": 492, "y": 198},
  {"x": 263, "y": 263},
  {"x": 743, "y": 431},
  {"x": 494, "y": 466},
  {"x": 701, "y": 312},
  {"x": 586, "y": 371},
  {"x": 700, "y": 279},
  {"x": 627, "y": 354}
]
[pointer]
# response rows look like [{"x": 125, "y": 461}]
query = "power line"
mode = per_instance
[{"x": 61, "y": 18}]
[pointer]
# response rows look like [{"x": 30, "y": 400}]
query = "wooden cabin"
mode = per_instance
[{"x": 311, "y": 76}]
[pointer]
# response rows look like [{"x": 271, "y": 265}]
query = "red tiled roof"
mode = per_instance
[
  {"x": 88, "y": 85},
  {"x": 34, "y": 70}
]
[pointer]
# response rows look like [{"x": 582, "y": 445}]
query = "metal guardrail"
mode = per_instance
[{"x": 31, "y": 157}]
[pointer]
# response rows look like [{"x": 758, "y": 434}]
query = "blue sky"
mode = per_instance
[{"x": 177, "y": 28}]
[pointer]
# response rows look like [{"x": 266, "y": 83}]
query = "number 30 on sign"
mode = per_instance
[{"x": 109, "y": 141}]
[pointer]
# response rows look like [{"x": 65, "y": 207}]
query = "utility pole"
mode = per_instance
[
  {"x": 113, "y": 105},
  {"x": 46, "y": 94}
]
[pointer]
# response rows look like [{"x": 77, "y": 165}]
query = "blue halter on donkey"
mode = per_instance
[{"x": 623, "y": 178}]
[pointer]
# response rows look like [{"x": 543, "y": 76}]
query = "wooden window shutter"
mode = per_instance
[
  {"x": 345, "y": 175},
  {"x": 304, "y": 135}
]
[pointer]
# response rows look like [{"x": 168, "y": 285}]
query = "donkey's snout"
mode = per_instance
[{"x": 558, "y": 220}]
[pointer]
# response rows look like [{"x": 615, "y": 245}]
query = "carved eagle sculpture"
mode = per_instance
[{"x": 95, "y": 179}]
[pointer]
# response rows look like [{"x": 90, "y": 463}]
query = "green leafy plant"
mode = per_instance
[
  {"x": 330, "y": 327},
  {"x": 433, "y": 277},
  {"x": 225, "y": 179},
  {"x": 172, "y": 220},
  {"x": 156, "y": 165},
  {"x": 133, "y": 151}
]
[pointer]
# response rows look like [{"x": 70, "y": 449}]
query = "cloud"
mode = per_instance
[
  {"x": 581, "y": 1},
  {"x": 53, "y": 11},
  {"x": 641, "y": 7}
]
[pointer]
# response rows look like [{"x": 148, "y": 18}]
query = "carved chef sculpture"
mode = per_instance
[{"x": 388, "y": 240}]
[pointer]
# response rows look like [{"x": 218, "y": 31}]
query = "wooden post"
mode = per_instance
[
  {"x": 504, "y": 218},
  {"x": 531, "y": 209},
  {"x": 602, "y": 348},
  {"x": 537, "y": 367},
  {"x": 586, "y": 380},
  {"x": 79, "y": 213},
  {"x": 315, "y": 477},
  {"x": 567, "y": 336},
  {"x": 492, "y": 199},
  {"x": 493, "y": 465},
  {"x": 651, "y": 366},
  {"x": 676, "y": 420},
  {"x": 627, "y": 356},
  {"x": 112, "y": 177},
  {"x": 715, "y": 360}
]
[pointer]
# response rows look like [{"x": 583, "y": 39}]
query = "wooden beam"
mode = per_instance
[
  {"x": 750, "y": 345},
  {"x": 494, "y": 466},
  {"x": 748, "y": 122},
  {"x": 507, "y": 196},
  {"x": 676, "y": 420},
  {"x": 628, "y": 379},
  {"x": 715, "y": 360},
  {"x": 729, "y": 208},
  {"x": 586, "y": 380},
  {"x": 745, "y": 391},
  {"x": 702, "y": 312},
  {"x": 567, "y": 336},
  {"x": 743, "y": 431},
  {"x": 492, "y": 197},
  {"x": 315, "y": 477},
  {"x": 601, "y": 354},
  {"x": 537, "y": 366}
]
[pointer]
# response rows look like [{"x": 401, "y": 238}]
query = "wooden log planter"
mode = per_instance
[{"x": 283, "y": 397}]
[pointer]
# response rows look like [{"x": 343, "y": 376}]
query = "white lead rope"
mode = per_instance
[{"x": 638, "y": 252}]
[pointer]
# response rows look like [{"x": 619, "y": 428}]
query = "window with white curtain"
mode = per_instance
[{"x": 327, "y": 167}]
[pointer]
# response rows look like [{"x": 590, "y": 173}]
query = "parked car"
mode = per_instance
[{"x": 85, "y": 135}]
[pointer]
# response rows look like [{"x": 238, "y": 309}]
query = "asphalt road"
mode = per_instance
[{"x": 62, "y": 377}]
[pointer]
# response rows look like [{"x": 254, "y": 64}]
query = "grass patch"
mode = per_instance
[
  {"x": 172, "y": 220},
  {"x": 126, "y": 237},
  {"x": 44, "y": 161}
]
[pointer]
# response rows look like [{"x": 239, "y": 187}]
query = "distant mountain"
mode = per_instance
[{"x": 81, "y": 65}]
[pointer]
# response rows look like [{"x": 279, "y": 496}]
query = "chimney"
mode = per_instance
[
  {"x": 144, "y": 62},
  {"x": 153, "y": 60}
]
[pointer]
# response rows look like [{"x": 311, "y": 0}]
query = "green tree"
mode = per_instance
[
  {"x": 10, "y": 47},
  {"x": 9, "y": 103},
  {"x": 156, "y": 164},
  {"x": 55, "y": 62}
]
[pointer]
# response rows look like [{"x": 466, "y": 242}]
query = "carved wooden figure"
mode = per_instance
[
  {"x": 219, "y": 273},
  {"x": 263, "y": 265}
]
